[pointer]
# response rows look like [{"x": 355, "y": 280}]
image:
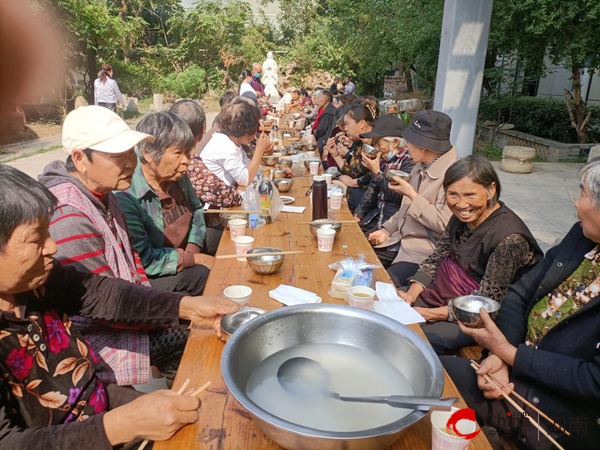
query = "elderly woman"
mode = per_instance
[
  {"x": 163, "y": 212},
  {"x": 48, "y": 368},
  {"x": 412, "y": 233},
  {"x": 484, "y": 249},
  {"x": 544, "y": 344},
  {"x": 224, "y": 156},
  {"x": 379, "y": 203},
  {"x": 91, "y": 233}
]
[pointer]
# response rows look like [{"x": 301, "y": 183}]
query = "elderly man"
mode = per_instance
[
  {"x": 255, "y": 81},
  {"x": 326, "y": 120}
]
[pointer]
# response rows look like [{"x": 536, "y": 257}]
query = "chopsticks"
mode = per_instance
[
  {"x": 328, "y": 221},
  {"x": 179, "y": 392},
  {"x": 230, "y": 211},
  {"x": 499, "y": 385},
  {"x": 246, "y": 255}
]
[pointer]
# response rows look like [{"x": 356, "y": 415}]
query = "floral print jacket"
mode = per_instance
[{"x": 46, "y": 366}]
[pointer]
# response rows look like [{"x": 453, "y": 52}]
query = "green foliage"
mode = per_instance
[
  {"x": 191, "y": 83},
  {"x": 543, "y": 117}
]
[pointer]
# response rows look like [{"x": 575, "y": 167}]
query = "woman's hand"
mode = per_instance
[
  {"x": 207, "y": 310},
  {"x": 403, "y": 188},
  {"x": 433, "y": 314},
  {"x": 379, "y": 236},
  {"x": 493, "y": 365},
  {"x": 263, "y": 145},
  {"x": 205, "y": 260},
  {"x": 407, "y": 296},
  {"x": 374, "y": 165},
  {"x": 156, "y": 416},
  {"x": 348, "y": 181},
  {"x": 491, "y": 338},
  {"x": 330, "y": 148}
]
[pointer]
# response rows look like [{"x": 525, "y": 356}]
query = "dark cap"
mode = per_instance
[
  {"x": 430, "y": 130},
  {"x": 385, "y": 126}
]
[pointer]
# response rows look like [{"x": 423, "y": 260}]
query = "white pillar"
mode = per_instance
[{"x": 463, "y": 47}]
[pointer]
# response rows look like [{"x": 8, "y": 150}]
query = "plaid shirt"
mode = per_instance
[
  {"x": 143, "y": 212},
  {"x": 378, "y": 193}
]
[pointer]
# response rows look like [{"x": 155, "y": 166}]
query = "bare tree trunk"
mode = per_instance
[
  {"x": 576, "y": 107},
  {"x": 125, "y": 43},
  {"x": 407, "y": 77}
]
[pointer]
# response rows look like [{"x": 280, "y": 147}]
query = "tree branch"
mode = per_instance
[
  {"x": 585, "y": 121},
  {"x": 568, "y": 100}
]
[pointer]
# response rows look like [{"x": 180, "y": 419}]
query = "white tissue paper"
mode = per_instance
[
  {"x": 290, "y": 295},
  {"x": 393, "y": 306}
]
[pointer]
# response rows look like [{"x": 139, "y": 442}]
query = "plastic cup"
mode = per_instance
[
  {"x": 328, "y": 178},
  {"x": 325, "y": 238},
  {"x": 335, "y": 200},
  {"x": 237, "y": 227},
  {"x": 361, "y": 297},
  {"x": 310, "y": 154},
  {"x": 314, "y": 167},
  {"x": 242, "y": 245},
  {"x": 440, "y": 440},
  {"x": 239, "y": 294},
  {"x": 311, "y": 139}
]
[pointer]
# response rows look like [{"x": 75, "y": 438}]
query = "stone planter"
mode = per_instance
[{"x": 517, "y": 159}]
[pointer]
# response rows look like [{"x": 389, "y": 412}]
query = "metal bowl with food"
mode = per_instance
[
  {"x": 325, "y": 223},
  {"x": 285, "y": 163},
  {"x": 283, "y": 184},
  {"x": 307, "y": 162},
  {"x": 466, "y": 309},
  {"x": 265, "y": 265},
  {"x": 369, "y": 151},
  {"x": 261, "y": 346},
  {"x": 391, "y": 173},
  {"x": 231, "y": 322},
  {"x": 311, "y": 147},
  {"x": 291, "y": 150},
  {"x": 279, "y": 173},
  {"x": 270, "y": 160}
]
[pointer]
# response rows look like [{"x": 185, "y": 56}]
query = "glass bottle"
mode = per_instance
[{"x": 265, "y": 195}]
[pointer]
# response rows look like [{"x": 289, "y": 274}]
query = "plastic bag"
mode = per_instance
[
  {"x": 250, "y": 203},
  {"x": 351, "y": 272}
]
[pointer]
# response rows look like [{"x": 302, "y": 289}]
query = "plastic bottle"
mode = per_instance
[
  {"x": 265, "y": 195},
  {"x": 319, "y": 198}
]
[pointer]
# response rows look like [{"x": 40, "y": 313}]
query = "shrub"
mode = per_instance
[
  {"x": 191, "y": 83},
  {"x": 134, "y": 79},
  {"x": 543, "y": 117}
]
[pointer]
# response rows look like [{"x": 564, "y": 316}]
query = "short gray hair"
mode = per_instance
[
  {"x": 168, "y": 130},
  {"x": 589, "y": 176}
]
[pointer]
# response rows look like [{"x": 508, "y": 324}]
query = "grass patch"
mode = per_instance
[
  {"x": 27, "y": 155},
  {"x": 490, "y": 151},
  {"x": 575, "y": 159}
]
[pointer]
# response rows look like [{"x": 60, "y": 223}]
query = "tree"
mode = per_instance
[{"x": 564, "y": 31}]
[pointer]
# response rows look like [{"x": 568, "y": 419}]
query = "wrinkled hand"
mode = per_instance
[
  {"x": 263, "y": 145},
  {"x": 408, "y": 298},
  {"x": 207, "y": 310},
  {"x": 205, "y": 260},
  {"x": 493, "y": 365},
  {"x": 378, "y": 237},
  {"x": 491, "y": 338},
  {"x": 403, "y": 188},
  {"x": 374, "y": 165},
  {"x": 433, "y": 314},
  {"x": 331, "y": 147},
  {"x": 156, "y": 416}
]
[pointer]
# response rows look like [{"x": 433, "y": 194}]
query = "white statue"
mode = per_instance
[{"x": 270, "y": 76}]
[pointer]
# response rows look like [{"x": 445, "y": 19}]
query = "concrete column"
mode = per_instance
[{"x": 463, "y": 46}]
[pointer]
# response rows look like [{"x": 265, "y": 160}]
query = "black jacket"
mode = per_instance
[
  {"x": 326, "y": 124},
  {"x": 562, "y": 375}
]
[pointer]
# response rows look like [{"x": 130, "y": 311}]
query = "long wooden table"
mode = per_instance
[{"x": 223, "y": 423}]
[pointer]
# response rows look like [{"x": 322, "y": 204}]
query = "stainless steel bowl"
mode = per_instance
[
  {"x": 285, "y": 163},
  {"x": 265, "y": 265},
  {"x": 391, "y": 173},
  {"x": 466, "y": 309},
  {"x": 328, "y": 323},
  {"x": 270, "y": 160},
  {"x": 325, "y": 223},
  {"x": 311, "y": 147},
  {"x": 279, "y": 173},
  {"x": 307, "y": 162},
  {"x": 231, "y": 322},
  {"x": 283, "y": 184},
  {"x": 370, "y": 151},
  {"x": 291, "y": 150}
]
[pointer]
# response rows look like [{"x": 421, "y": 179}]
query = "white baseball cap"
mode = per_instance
[{"x": 98, "y": 128}]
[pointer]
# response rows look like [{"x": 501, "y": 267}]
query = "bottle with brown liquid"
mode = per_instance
[
  {"x": 319, "y": 198},
  {"x": 265, "y": 195}
]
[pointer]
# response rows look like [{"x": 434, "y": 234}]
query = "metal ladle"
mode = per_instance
[{"x": 305, "y": 377}]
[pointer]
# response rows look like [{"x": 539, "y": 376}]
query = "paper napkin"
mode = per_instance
[{"x": 290, "y": 295}]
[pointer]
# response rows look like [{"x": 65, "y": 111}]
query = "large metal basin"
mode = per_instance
[{"x": 336, "y": 324}]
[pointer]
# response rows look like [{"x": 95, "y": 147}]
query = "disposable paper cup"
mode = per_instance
[
  {"x": 328, "y": 178},
  {"x": 242, "y": 245},
  {"x": 361, "y": 297},
  {"x": 311, "y": 139},
  {"x": 237, "y": 227},
  {"x": 310, "y": 154},
  {"x": 335, "y": 200},
  {"x": 314, "y": 167},
  {"x": 325, "y": 238},
  {"x": 444, "y": 441},
  {"x": 239, "y": 294}
]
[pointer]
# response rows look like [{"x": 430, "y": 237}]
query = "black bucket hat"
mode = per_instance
[
  {"x": 430, "y": 130},
  {"x": 386, "y": 126}
]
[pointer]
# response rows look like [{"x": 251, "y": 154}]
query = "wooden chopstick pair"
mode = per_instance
[
  {"x": 250, "y": 255},
  {"x": 493, "y": 381},
  {"x": 179, "y": 392},
  {"x": 328, "y": 221}
]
